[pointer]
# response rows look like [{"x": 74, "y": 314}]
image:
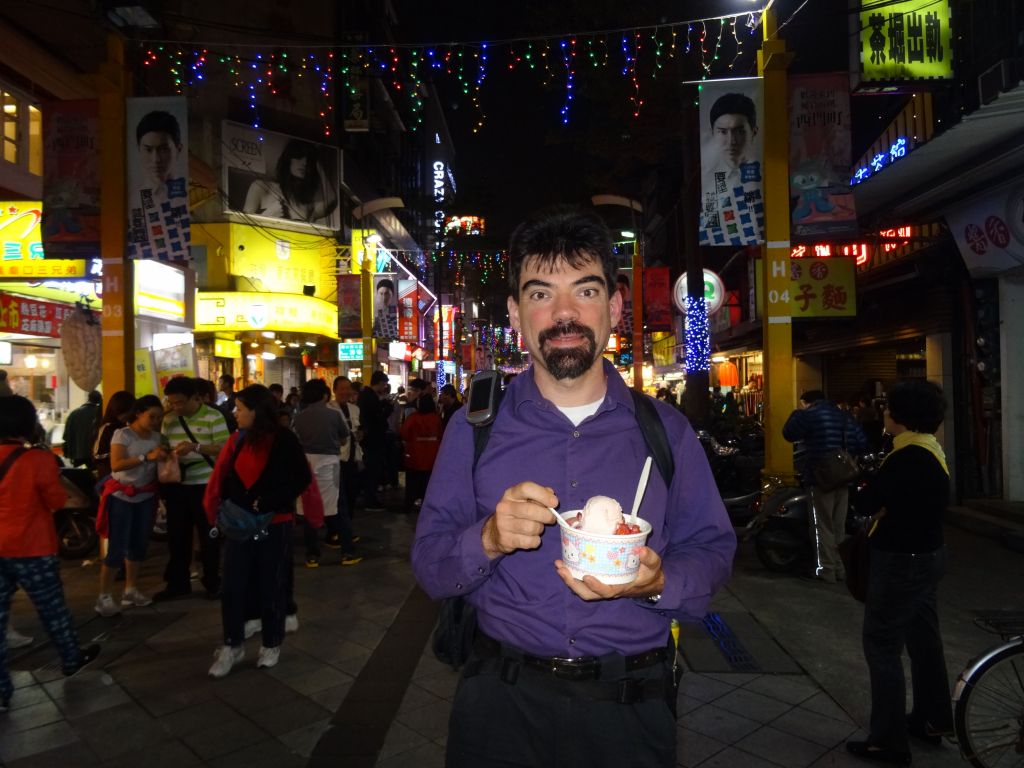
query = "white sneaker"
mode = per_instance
[
  {"x": 106, "y": 607},
  {"x": 17, "y": 640},
  {"x": 132, "y": 598},
  {"x": 252, "y": 627},
  {"x": 291, "y": 623},
  {"x": 225, "y": 658},
  {"x": 268, "y": 657}
]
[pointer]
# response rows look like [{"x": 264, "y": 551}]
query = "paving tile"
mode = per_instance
[
  {"x": 424, "y": 756},
  {"x": 303, "y": 740},
  {"x": 400, "y": 738},
  {"x": 817, "y": 728},
  {"x": 197, "y": 718},
  {"x": 730, "y": 757},
  {"x": 78, "y": 702},
  {"x": 416, "y": 697},
  {"x": 702, "y": 687},
  {"x": 430, "y": 720},
  {"x": 250, "y": 690},
  {"x": 172, "y": 754},
  {"x": 685, "y": 705},
  {"x": 73, "y": 755},
  {"x": 21, "y": 678},
  {"x": 116, "y": 731},
  {"x": 737, "y": 679},
  {"x": 693, "y": 748},
  {"x": 752, "y": 705},
  {"x": 265, "y": 754},
  {"x": 331, "y": 698},
  {"x": 298, "y": 713},
  {"x": 720, "y": 724},
  {"x": 793, "y": 689},
  {"x": 442, "y": 684},
  {"x": 320, "y": 679},
  {"x": 823, "y": 704},
  {"x": 840, "y": 758},
  {"x": 781, "y": 747},
  {"x": 23, "y": 744},
  {"x": 28, "y": 696},
  {"x": 27, "y": 718},
  {"x": 221, "y": 737}
]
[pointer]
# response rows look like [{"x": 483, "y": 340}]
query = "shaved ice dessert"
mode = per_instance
[{"x": 600, "y": 543}]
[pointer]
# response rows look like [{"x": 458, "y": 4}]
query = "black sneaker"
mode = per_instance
[
  {"x": 88, "y": 656},
  {"x": 333, "y": 541}
]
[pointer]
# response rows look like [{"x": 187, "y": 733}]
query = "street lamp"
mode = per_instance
[{"x": 637, "y": 287}]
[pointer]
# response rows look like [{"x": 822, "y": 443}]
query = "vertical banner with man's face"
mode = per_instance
[
  {"x": 385, "y": 305},
  {"x": 71, "y": 180},
  {"x": 819, "y": 155},
  {"x": 350, "y": 322},
  {"x": 657, "y": 299},
  {"x": 624, "y": 286},
  {"x": 157, "y": 171},
  {"x": 732, "y": 205},
  {"x": 408, "y": 311}
]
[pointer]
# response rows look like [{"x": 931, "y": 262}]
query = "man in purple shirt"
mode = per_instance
[{"x": 564, "y": 667}]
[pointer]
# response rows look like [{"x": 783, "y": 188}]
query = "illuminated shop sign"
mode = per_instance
[
  {"x": 439, "y": 170},
  {"x": 909, "y": 40},
  {"x": 160, "y": 291},
  {"x": 32, "y": 317},
  {"x": 350, "y": 351},
  {"x": 21, "y": 246},
  {"x": 246, "y": 311},
  {"x": 898, "y": 150},
  {"x": 818, "y": 288},
  {"x": 891, "y": 239},
  {"x": 465, "y": 225}
]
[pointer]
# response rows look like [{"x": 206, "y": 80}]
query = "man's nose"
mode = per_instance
[{"x": 565, "y": 308}]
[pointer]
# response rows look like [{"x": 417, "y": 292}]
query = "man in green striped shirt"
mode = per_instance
[{"x": 195, "y": 432}]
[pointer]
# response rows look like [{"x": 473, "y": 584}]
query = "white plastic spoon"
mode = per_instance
[
  {"x": 558, "y": 517},
  {"x": 640, "y": 490}
]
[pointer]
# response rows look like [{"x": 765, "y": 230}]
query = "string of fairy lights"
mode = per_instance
[{"x": 639, "y": 54}]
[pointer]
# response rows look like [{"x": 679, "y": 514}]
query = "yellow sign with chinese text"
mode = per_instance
[
  {"x": 145, "y": 373},
  {"x": 819, "y": 287},
  {"x": 278, "y": 260},
  {"x": 910, "y": 40},
  {"x": 251, "y": 311},
  {"x": 21, "y": 245}
]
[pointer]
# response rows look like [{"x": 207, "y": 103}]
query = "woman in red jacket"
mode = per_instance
[
  {"x": 262, "y": 469},
  {"x": 29, "y": 492},
  {"x": 421, "y": 435}
]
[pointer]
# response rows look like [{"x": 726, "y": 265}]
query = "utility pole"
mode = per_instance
[
  {"x": 697, "y": 382},
  {"x": 777, "y": 320}
]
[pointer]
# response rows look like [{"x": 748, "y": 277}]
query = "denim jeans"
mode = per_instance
[{"x": 901, "y": 611}]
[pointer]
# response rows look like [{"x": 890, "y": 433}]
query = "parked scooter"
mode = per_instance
[
  {"x": 76, "y": 520},
  {"x": 737, "y": 476}
]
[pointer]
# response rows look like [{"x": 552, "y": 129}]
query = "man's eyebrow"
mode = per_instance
[{"x": 537, "y": 283}]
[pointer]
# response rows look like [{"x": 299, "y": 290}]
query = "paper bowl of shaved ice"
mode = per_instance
[{"x": 602, "y": 543}]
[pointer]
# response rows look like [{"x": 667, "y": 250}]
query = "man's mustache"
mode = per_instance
[{"x": 566, "y": 329}]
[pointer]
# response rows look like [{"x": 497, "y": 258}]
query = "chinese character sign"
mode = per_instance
[
  {"x": 408, "y": 311},
  {"x": 157, "y": 167},
  {"x": 657, "y": 299},
  {"x": 909, "y": 40},
  {"x": 350, "y": 324},
  {"x": 989, "y": 230},
  {"x": 32, "y": 317},
  {"x": 819, "y": 287},
  {"x": 732, "y": 206},
  {"x": 819, "y": 155},
  {"x": 71, "y": 181}
]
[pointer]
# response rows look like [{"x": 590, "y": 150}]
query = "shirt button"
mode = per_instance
[
  {"x": 458, "y": 586},
  {"x": 479, "y": 570},
  {"x": 576, "y": 433},
  {"x": 574, "y": 483},
  {"x": 572, "y": 641}
]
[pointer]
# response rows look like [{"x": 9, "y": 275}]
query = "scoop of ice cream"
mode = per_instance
[{"x": 601, "y": 515}]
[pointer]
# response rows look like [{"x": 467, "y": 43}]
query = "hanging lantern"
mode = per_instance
[
  {"x": 728, "y": 376},
  {"x": 307, "y": 359}
]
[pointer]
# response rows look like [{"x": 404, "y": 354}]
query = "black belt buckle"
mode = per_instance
[{"x": 583, "y": 668}]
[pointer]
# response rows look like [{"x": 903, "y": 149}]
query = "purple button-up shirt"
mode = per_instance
[{"x": 519, "y": 597}]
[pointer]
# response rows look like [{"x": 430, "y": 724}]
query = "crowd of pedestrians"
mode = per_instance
[{"x": 307, "y": 457}]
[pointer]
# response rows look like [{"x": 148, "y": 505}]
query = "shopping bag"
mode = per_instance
[
  {"x": 168, "y": 470},
  {"x": 835, "y": 469}
]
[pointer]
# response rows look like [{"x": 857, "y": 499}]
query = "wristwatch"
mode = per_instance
[{"x": 653, "y": 599}]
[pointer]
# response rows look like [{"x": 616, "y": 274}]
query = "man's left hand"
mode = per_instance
[{"x": 650, "y": 580}]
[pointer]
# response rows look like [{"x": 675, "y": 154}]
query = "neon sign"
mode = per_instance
[
  {"x": 891, "y": 239},
  {"x": 881, "y": 160}
]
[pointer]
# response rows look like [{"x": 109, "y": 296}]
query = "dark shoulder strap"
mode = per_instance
[
  {"x": 192, "y": 438},
  {"x": 654, "y": 435},
  {"x": 11, "y": 458},
  {"x": 482, "y": 433}
]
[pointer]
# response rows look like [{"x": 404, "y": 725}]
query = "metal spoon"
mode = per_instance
[{"x": 640, "y": 490}]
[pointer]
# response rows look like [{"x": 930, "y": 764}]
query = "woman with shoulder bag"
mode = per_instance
[
  {"x": 908, "y": 559},
  {"x": 261, "y": 470}
]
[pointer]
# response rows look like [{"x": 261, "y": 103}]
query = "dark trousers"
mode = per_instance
[
  {"x": 349, "y": 485},
  {"x": 504, "y": 716},
  {"x": 374, "y": 458},
  {"x": 252, "y": 596},
  {"x": 901, "y": 611},
  {"x": 185, "y": 514},
  {"x": 262, "y": 566},
  {"x": 416, "y": 481}
]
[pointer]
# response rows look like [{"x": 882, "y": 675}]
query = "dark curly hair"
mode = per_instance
[
  {"x": 917, "y": 404},
  {"x": 17, "y": 418}
]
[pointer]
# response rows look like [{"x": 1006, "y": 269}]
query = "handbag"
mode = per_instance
[
  {"x": 452, "y": 639},
  {"x": 168, "y": 470},
  {"x": 835, "y": 468},
  {"x": 241, "y": 524},
  {"x": 855, "y": 552}
]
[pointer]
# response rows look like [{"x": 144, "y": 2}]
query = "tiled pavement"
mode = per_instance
[{"x": 149, "y": 701}]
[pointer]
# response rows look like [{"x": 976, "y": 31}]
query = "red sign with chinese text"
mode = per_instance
[{"x": 31, "y": 316}]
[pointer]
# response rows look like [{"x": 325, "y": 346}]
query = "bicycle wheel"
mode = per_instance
[{"x": 989, "y": 717}]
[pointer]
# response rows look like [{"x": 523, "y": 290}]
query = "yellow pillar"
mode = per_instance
[
  {"x": 363, "y": 260},
  {"x": 777, "y": 321},
  {"x": 638, "y": 318},
  {"x": 112, "y": 85}
]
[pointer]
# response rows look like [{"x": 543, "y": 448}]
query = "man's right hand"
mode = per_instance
[{"x": 519, "y": 519}]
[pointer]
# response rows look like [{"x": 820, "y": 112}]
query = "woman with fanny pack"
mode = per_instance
[
  {"x": 128, "y": 503},
  {"x": 261, "y": 471}
]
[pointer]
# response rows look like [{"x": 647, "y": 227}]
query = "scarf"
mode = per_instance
[{"x": 923, "y": 440}]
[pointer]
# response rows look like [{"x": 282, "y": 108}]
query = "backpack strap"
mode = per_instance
[
  {"x": 11, "y": 458},
  {"x": 654, "y": 435},
  {"x": 482, "y": 432}
]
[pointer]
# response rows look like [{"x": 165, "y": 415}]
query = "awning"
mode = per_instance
[{"x": 984, "y": 148}]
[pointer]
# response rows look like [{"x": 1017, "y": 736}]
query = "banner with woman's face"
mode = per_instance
[{"x": 280, "y": 177}]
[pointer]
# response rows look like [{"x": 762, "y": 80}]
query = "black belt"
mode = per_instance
[{"x": 581, "y": 668}]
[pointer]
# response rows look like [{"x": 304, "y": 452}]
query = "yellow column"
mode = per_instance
[
  {"x": 363, "y": 258},
  {"x": 638, "y": 318},
  {"x": 777, "y": 321},
  {"x": 112, "y": 85}
]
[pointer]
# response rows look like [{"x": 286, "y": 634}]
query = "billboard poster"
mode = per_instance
[
  {"x": 821, "y": 202},
  {"x": 350, "y": 323},
  {"x": 657, "y": 299},
  {"x": 624, "y": 285},
  {"x": 385, "y": 305},
  {"x": 989, "y": 230},
  {"x": 280, "y": 177},
  {"x": 71, "y": 180},
  {"x": 157, "y": 173},
  {"x": 174, "y": 361},
  {"x": 909, "y": 40},
  {"x": 408, "y": 311},
  {"x": 732, "y": 205}
]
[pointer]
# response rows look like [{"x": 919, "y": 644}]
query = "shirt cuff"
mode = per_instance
[{"x": 476, "y": 566}]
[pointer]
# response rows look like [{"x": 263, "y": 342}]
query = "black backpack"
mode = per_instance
[{"x": 452, "y": 639}]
